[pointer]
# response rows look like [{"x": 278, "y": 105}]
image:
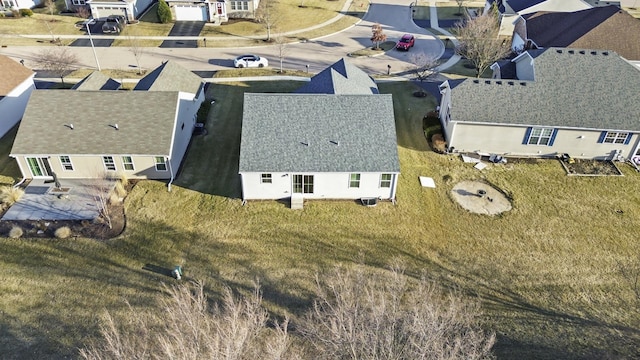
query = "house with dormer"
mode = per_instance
[
  {"x": 143, "y": 133},
  {"x": 544, "y": 103}
]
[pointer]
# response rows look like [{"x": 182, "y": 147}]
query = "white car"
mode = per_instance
[{"x": 247, "y": 61}]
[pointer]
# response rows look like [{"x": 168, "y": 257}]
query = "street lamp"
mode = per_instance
[{"x": 91, "y": 41}]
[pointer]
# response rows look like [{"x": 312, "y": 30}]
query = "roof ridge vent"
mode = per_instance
[
  {"x": 605, "y": 53},
  {"x": 499, "y": 82},
  {"x": 487, "y": 81},
  {"x": 559, "y": 51},
  {"x": 594, "y": 53},
  {"x": 570, "y": 51},
  {"x": 476, "y": 81},
  {"x": 523, "y": 83},
  {"x": 510, "y": 82},
  {"x": 582, "y": 52}
]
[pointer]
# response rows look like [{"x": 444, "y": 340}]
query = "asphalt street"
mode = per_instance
[{"x": 393, "y": 15}]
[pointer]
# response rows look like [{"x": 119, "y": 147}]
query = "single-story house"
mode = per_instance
[
  {"x": 607, "y": 28},
  {"x": 97, "y": 81},
  {"x": 130, "y": 9},
  {"x": 559, "y": 101},
  {"x": 509, "y": 10},
  {"x": 323, "y": 145},
  {"x": 20, "y": 4},
  {"x": 16, "y": 85},
  {"x": 143, "y": 134},
  {"x": 214, "y": 11}
]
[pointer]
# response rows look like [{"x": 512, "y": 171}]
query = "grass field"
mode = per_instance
[{"x": 546, "y": 272}]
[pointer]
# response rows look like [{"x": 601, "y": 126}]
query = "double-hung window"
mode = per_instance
[
  {"x": 161, "y": 164},
  {"x": 354, "y": 180},
  {"x": 266, "y": 178},
  {"x": 615, "y": 137},
  {"x": 127, "y": 163},
  {"x": 385, "y": 180},
  {"x": 540, "y": 136},
  {"x": 66, "y": 163},
  {"x": 109, "y": 164}
]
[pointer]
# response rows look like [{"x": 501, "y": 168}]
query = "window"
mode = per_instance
[
  {"x": 265, "y": 178},
  {"x": 240, "y": 5},
  {"x": 610, "y": 137},
  {"x": 127, "y": 163},
  {"x": 78, "y": 2},
  {"x": 109, "y": 164},
  {"x": 385, "y": 180},
  {"x": 66, "y": 163},
  {"x": 540, "y": 136},
  {"x": 161, "y": 164},
  {"x": 354, "y": 180},
  {"x": 303, "y": 184}
]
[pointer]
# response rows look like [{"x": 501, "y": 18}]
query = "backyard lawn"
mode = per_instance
[{"x": 546, "y": 273}]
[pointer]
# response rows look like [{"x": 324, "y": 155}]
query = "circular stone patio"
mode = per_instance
[{"x": 480, "y": 198}]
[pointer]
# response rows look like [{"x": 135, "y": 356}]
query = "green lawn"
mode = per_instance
[{"x": 546, "y": 272}]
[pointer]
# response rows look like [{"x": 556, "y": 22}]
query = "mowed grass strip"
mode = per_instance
[{"x": 546, "y": 272}]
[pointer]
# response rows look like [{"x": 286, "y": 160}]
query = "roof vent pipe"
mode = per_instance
[
  {"x": 70, "y": 126},
  {"x": 115, "y": 126}
]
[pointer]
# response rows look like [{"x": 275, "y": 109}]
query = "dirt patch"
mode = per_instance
[
  {"x": 588, "y": 167},
  {"x": 480, "y": 198}
]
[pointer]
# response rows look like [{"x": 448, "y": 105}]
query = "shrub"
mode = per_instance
[
  {"x": 9, "y": 195},
  {"x": 62, "y": 232},
  {"x": 15, "y": 232},
  {"x": 124, "y": 178},
  {"x": 26, "y": 12},
  {"x": 164, "y": 12},
  {"x": 114, "y": 198},
  {"x": 119, "y": 189}
]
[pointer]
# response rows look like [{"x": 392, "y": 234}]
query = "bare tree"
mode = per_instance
[
  {"x": 189, "y": 328},
  {"x": 267, "y": 16},
  {"x": 83, "y": 12},
  {"x": 423, "y": 65},
  {"x": 383, "y": 316},
  {"x": 281, "y": 41},
  {"x": 135, "y": 48},
  {"x": 460, "y": 5},
  {"x": 58, "y": 60},
  {"x": 101, "y": 190},
  {"x": 378, "y": 36},
  {"x": 51, "y": 6},
  {"x": 479, "y": 41}
]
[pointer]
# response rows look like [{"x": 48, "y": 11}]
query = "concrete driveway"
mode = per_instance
[{"x": 184, "y": 28}]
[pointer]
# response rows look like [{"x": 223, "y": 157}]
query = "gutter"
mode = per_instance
[{"x": 172, "y": 175}]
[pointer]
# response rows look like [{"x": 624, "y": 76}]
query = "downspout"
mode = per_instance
[
  {"x": 24, "y": 178},
  {"x": 393, "y": 188},
  {"x": 172, "y": 174}
]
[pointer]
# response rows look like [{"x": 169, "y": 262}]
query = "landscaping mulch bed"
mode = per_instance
[{"x": 587, "y": 167}]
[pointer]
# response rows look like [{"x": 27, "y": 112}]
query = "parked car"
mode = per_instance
[
  {"x": 250, "y": 61},
  {"x": 406, "y": 42},
  {"x": 113, "y": 24}
]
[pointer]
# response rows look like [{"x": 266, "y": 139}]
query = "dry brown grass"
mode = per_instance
[{"x": 9, "y": 195}]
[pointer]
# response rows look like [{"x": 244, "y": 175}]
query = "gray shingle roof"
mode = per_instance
[
  {"x": 606, "y": 28},
  {"x": 340, "y": 78},
  {"x": 96, "y": 81},
  {"x": 342, "y": 133},
  {"x": 572, "y": 88},
  {"x": 170, "y": 77},
  {"x": 145, "y": 123}
]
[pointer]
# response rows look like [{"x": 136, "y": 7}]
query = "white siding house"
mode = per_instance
[
  {"x": 16, "y": 85},
  {"x": 562, "y": 101}
]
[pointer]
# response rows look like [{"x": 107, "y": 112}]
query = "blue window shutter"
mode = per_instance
[
  {"x": 628, "y": 139},
  {"x": 525, "y": 141},
  {"x": 553, "y": 137},
  {"x": 602, "y": 135}
]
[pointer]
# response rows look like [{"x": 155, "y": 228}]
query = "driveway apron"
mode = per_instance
[{"x": 184, "y": 28}]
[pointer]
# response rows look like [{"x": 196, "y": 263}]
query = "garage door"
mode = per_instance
[
  {"x": 191, "y": 13},
  {"x": 104, "y": 11}
]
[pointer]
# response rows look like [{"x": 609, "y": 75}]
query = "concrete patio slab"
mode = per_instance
[{"x": 41, "y": 202}]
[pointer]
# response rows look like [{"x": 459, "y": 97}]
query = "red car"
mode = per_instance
[{"x": 406, "y": 42}]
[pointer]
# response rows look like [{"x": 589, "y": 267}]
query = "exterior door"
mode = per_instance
[
  {"x": 302, "y": 184},
  {"x": 39, "y": 167}
]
